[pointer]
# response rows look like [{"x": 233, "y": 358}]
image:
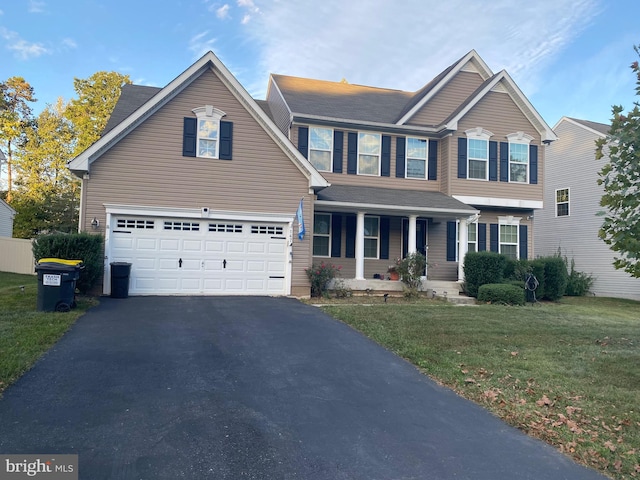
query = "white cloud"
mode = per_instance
[
  {"x": 377, "y": 43},
  {"x": 69, "y": 43},
  {"x": 200, "y": 44},
  {"x": 36, "y": 6},
  {"x": 22, "y": 48},
  {"x": 246, "y": 19},
  {"x": 223, "y": 11}
]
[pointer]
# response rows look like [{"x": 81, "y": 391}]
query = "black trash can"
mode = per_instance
[
  {"x": 120, "y": 272},
  {"x": 57, "y": 284}
]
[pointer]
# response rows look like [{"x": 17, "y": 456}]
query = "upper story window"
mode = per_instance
[
  {"x": 320, "y": 148},
  {"x": 417, "y": 152},
  {"x": 519, "y": 157},
  {"x": 321, "y": 234},
  {"x": 208, "y": 131},
  {"x": 478, "y": 153},
  {"x": 562, "y": 202},
  {"x": 371, "y": 237},
  {"x": 369, "y": 150}
]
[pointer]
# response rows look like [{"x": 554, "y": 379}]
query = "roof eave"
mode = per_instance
[{"x": 404, "y": 209}]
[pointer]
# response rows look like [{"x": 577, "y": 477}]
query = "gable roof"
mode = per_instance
[
  {"x": 309, "y": 99},
  {"x": 81, "y": 164},
  {"x": 7, "y": 207},
  {"x": 131, "y": 98},
  {"x": 600, "y": 129}
]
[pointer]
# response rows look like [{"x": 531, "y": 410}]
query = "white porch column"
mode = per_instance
[
  {"x": 360, "y": 246},
  {"x": 463, "y": 233},
  {"x": 412, "y": 234}
]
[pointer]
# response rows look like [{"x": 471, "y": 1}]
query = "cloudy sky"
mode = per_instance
[{"x": 570, "y": 57}]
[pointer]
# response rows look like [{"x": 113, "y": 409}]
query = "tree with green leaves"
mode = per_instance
[
  {"x": 89, "y": 113},
  {"x": 620, "y": 178},
  {"x": 15, "y": 117}
]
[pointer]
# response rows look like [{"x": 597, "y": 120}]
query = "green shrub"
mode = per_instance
[
  {"x": 578, "y": 283},
  {"x": 481, "y": 268},
  {"x": 555, "y": 278},
  {"x": 501, "y": 293},
  {"x": 411, "y": 270},
  {"x": 517, "y": 269},
  {"x": 76, "y": 246},
  {"x": 319, "y": 276}
]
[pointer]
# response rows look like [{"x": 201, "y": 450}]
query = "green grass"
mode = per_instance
[
  {"x": 568, "y": 373},
  {"x": 25, "y": 333}
]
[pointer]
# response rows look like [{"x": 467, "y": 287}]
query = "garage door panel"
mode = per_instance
[{"x": 154, "y": 253}]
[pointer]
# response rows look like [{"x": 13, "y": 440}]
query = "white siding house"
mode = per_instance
[
  {"x": 6, "y": 219},
  {"x": 569, "y": 218}
]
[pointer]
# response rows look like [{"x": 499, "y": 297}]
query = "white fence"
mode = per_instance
[{"x": 16, "y": 255}]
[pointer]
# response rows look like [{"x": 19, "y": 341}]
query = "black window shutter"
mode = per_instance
[
  {"x": 303, "y": 141},
  {"x": 226, "y": 140},
  {"x": 189, "y": 137},
  {"x": 400, "y": 156},
  {"x": 504, "y": 162},
  {"x": 350, "y": 247},
  {"x": 384, "y": 237},
  {"x": 433, "y": 160},
  {"x": 462, "y": 157},
  {"x": 338, "y": 137},
  {"x": 482, "y": 237},
  {"x": 452, "y": 241},
  {"x": 524, "y": 242},
  {"x": 336, "y": 234},
  {"x": 493, "y": 237},
  {"x": 385, "y": 168},
  {"x": 533, "y": 164},
  {"x": 493, "y": 161},
  {"x": 352, "y": 153}
]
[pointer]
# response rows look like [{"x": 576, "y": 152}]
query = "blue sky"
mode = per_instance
[{"x": 570, "y": 57}]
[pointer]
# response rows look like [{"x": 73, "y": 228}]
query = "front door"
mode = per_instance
[{"x": 421, "y": 236}]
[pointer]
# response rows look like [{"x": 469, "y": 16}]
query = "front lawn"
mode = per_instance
[
  {"x": 25, "y": 333},
  {"x": 567, "y": 372}
]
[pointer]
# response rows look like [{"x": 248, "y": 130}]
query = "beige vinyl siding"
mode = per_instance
[
  {"x": 439, "y": 268},
  {"x": 376, "y": 181},
  {"x": 279, "y": 110},
  {"x": 444, "y": 165},
  {"x": 438, "y": 108},
  {"x": 16, "y": 255},
  {"x": 571, "y": 163},
  {"x": 497, "y": 113},
  {"x": 147, "y": 168}
]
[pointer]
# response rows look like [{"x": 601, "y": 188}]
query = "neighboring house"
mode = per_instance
[
  {"x": 197, "y": 184},
  {"x": 6, "y": 219},
  {"x": 569, "y": 222}
]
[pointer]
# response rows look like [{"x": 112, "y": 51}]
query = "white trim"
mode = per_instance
[
  {"x": 581, "y": 125},
  {"x": 478, "y": 133},
  {"x": 314, "y": 234},
  {"x": 82, "y": 162},
  {"x": 377, "y": 238},
  {"x": 472, "y": 55},
  {"x": 500, "y": 202},
  {"x": 208, "y": 112},
  {"x": 511, "y": 163},
  {"x": 379, "y": 135},
  {"x": 546, "y": 133},
  {"x": 394, "y": 208},
  {"x": 406, "y": 157},
  {"x": 568, "y": 202},
  {"x": 509, "y": 221},
  {"x": 319, "y": 150},
  {"x": 7, "y": 206},
  {"x": 196, "y": 213}
]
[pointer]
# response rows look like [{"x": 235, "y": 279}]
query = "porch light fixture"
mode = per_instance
[{"x": 95, "y": 223}]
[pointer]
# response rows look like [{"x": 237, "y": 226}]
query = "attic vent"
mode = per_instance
[
  {"x": 225, "y": 227},
  {"x": 185, "y": 226},
  {"x": 135, "y": 224},
  {"x": 266, "y": 230}
]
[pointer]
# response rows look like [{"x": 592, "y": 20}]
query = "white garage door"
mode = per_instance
[{"x": 172, "y": 256}]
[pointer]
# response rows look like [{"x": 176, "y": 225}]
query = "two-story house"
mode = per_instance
[
  {"x": 197, "y": 184},
  {"x": 569, "y": 222}
]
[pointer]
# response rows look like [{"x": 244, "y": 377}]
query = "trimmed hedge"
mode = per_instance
[
  {"x": 77, "y": 246},
  {"x": 555, "y": 278},
  {"x": 501, "y": 293},
  {"x": 481, "y": 268}
]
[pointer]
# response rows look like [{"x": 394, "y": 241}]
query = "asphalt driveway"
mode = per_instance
[{"x": 252, "y": 388}]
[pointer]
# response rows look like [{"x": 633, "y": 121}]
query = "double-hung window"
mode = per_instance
[
  {"x": 562, "y": 202},
  {"x": 519, "y": 157},
  {"x": 417, "y": 151},
  {"x": 369, "y": 150},
  {"x": 320, "y": 148},
  {"x": 509, "y": 240},
  {"x": 371, "y": 237},
  {"x": 472, "y": 237},
  {"x": 321, "y": 234},
  {"x": 208, "y": 131}
]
